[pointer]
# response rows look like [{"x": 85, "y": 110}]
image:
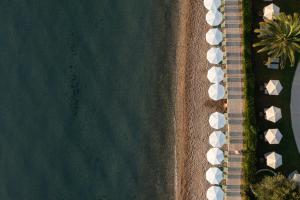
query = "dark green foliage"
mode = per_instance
[
  {"x": 277, "y": 188},
  {"x": 249, "y": 112},
  {"x": 280, "y": 37}
]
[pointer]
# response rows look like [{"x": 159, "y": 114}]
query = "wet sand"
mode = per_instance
[{"x": 193, "y": 105}]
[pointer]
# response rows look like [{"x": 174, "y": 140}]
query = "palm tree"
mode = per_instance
[{"x": 280, "y": 37}]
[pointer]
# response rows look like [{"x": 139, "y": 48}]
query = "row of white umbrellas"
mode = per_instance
[
  {"x": 217, "y": 120},
  {"x": 273, "y": 114},
  {"x": 216, "y": 91},
  {"x": 215, "y": 56},
  {"x": 273, "y": 136}
]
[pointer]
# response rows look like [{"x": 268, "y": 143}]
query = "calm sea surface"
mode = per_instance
[{"x": 85, "y": 103}]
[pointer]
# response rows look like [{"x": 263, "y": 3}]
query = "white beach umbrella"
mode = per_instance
[
  {"x": 212, "y": 4},
  {"x": 274, "y": 160},
  {"x": 215, "y": 74},
  {"x": 270, "y": 11},
  {"x": 214, "y": 193},
  {"x": 274, "y": 87},
  {"x": 273, "y": 136},
  {"x": 214, "y": 36},
  {"x": 296, "y": 178},
  {"x": 216, "y": 91},
  {"x": 214, "y": 17},
  {"x": 217, "y": 139},
  {"x": 214, "y": 175},
  {"x": 214, "y": 55},
  {"x": 217, "y": 120},
  {"x": 273, "y": 114},
  {"x": 215, "y": 156}
]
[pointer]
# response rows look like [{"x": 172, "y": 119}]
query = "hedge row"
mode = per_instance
[{"x": 250, "y": 134}]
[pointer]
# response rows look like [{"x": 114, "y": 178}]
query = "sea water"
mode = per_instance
[{"x": 85, "y": 100}]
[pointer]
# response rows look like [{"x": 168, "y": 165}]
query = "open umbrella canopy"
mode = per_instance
[
  {"x": 217, "y": 120},
  {"x": 215, "y": 156},
  {"x": 217, "y": 139},
  {"x": 270, "y": 11},
  {"x": 214, "y": 36},
  {"x": 273, "y": 136},
  {"x": 274, "y": 87},
  {"x": 273, "y": 114},
  {"x": 214, "y": 175},
  {"x": 214, "y": 17},
  {"x": 214, "y": 55},
  {"x": 274, "y": 160},
  {"x": 215, "y": 74},
  {"x": 216, "y": 91},
  {"x": 212, "y": 4},
  {"x": 296, "y": 178},
  {"x": 214, "y": 193}
]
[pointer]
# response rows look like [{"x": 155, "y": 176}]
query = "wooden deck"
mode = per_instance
[{"x": 234, "y": 81}]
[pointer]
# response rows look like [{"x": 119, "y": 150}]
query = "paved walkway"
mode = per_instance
[
  {"x": 295, "y": 108},
  {"x": 233, "y": 48}
]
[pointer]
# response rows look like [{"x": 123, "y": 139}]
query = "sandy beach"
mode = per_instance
[{"x": 193, "y": 105}]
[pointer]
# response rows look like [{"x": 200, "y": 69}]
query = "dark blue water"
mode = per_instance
[{"x": 85, "y": 100}]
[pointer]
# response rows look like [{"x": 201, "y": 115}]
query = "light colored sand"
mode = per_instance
[
  {"x": 193, "y": 105},
  {"x": 295, "y": 108}
]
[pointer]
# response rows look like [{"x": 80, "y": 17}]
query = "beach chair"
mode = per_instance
[
  {"x": 272, "y": 63},
  {"x": 265, "y": 88}
]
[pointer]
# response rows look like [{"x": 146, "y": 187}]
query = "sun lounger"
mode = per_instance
[
  {"x": 272, "y": 63},
  {"x": 273, "y": 66}
]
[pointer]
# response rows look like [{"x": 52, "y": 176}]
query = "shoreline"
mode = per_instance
[{"x": 180, "y": 119}]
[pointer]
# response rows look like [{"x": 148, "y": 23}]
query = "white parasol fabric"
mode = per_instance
[
  {"x": 270, "y": 11},
  {"x": 216, "y": 92},
  {"x": 214, "y": 193},
  {"x": 214, "y": 175},
  {"x": 217, "y": 120},
  {"x": 274, "y": 87},
  {"x": 212, "y": 4},
  {"x": 214, "y": 36},
  {"x": 215, "y": 156},
  {"x": 215, "y": 74},
  {"x": 217, "y": 139},
  {"x": 273, "y": 136},
  {"x": 274, "y": 160},
  {"x": 214, "y": 17},
  {"x": 273, "y": 114},
  {"x": 214, "y": 55},
  {"x": 296, "y": 178}
]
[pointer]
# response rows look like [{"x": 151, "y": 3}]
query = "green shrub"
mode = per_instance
[
  {"x": 277, "y": 188},
  {"x": 250, "y": 135}
]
